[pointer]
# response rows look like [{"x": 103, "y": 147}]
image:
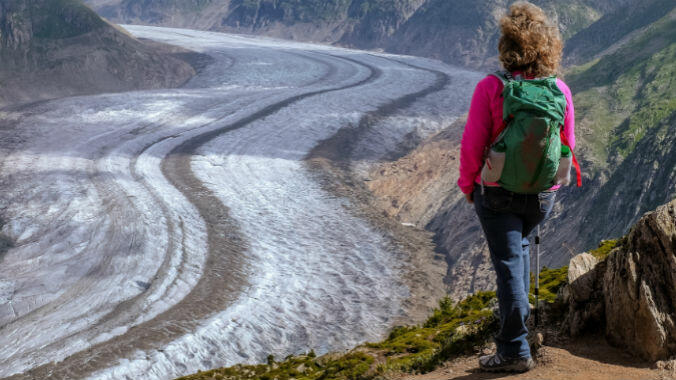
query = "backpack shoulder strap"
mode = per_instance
[
  {"x": 504, "y": 76},
  {"x": 576, "y": 164}
]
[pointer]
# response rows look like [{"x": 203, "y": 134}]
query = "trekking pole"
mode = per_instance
[{"x": 537, "y": 275}]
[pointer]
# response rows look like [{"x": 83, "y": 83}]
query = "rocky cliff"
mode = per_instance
[
  {"x": 420, "y": 188},
  {"x": 60, "y": 47}
]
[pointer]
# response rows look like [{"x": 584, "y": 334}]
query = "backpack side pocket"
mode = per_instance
[{"x": 495, "y": 163}]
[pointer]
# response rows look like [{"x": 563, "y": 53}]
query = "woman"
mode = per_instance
[{"x": 530, "y": 47}]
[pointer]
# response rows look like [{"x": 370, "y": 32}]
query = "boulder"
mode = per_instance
[
  {"x": 582, "y": 277},
  {"x": 639, "y": 287},
  {"x": 584, "y": 294}
]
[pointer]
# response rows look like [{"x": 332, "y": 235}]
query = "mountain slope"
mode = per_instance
[
  {"x": 466, "y": 32},
  {"x": 52, "y": 48},
  {"x": 627, "y": 115},
  {"x": 613, "y": 28}
]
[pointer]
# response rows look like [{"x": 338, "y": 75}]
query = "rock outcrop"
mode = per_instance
[
  {"x": 639, "y": 286},
  {"x": 583, "y": 295},
  {"x": 632, "y": 293}
]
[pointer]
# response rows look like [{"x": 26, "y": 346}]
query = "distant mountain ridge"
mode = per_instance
[
  {"x": 53, "y": 48},
  {"x": 463, "y": 32}
]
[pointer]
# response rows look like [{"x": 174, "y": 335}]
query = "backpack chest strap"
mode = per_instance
[{"x": 576, "y": 164}]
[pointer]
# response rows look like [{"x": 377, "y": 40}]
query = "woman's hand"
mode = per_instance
[{"x": 469, "y": 197}]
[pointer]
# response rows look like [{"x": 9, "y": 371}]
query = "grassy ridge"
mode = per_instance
[
  {"x": 625, "y": 106},
  {"x": 452, "y": 329},
  {"x": 624, "y": 94}
]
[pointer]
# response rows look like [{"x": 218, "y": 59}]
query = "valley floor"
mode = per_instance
[{"x": 151, "y": 234}]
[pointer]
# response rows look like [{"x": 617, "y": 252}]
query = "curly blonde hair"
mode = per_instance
[{"x": 530, "y": 42}]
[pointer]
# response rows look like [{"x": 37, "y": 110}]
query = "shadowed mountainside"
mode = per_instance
[{"x": 60, "y": 47}]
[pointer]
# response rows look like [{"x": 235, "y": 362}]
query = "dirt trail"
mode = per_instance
[{"x": 585, "y": 359}]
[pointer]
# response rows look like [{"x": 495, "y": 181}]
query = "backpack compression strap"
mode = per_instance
[
  {"x": 578, "y": 172},
  {"x": 505, "y": 77}
]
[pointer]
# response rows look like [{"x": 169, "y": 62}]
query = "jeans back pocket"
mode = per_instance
[{"x": 497, "y": 198}]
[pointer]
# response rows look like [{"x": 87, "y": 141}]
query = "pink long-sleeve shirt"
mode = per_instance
[{"x": 485, "y": 117}]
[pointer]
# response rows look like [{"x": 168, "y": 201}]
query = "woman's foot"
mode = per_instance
[{"x": 496, "y": 363}]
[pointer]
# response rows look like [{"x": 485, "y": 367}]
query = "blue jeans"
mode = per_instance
[{"x": 507, "y": 219}]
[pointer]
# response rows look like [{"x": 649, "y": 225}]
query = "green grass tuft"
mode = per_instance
[
  {"x": 551, "y": 281},
  {"x": 604, "y": 248},
  {"x": 453, "y": 328}
]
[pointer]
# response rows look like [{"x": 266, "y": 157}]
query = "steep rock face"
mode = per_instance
[
  {"x": 461, "y": 32},
  {"x": 313, "y": 20},
  {"x": 639, "y": 285},
  {"x": 60, "y": 47},
  {"x": 376, "y": 22},
  {"x": 176, "y": 12},
  {"x": 466, "y": 32},
  {"x": 408, "y": 189},
  {"x": 419, "y": 188}
]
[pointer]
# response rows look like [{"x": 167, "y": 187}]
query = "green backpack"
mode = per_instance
[{"x": 529, "y": 141}]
